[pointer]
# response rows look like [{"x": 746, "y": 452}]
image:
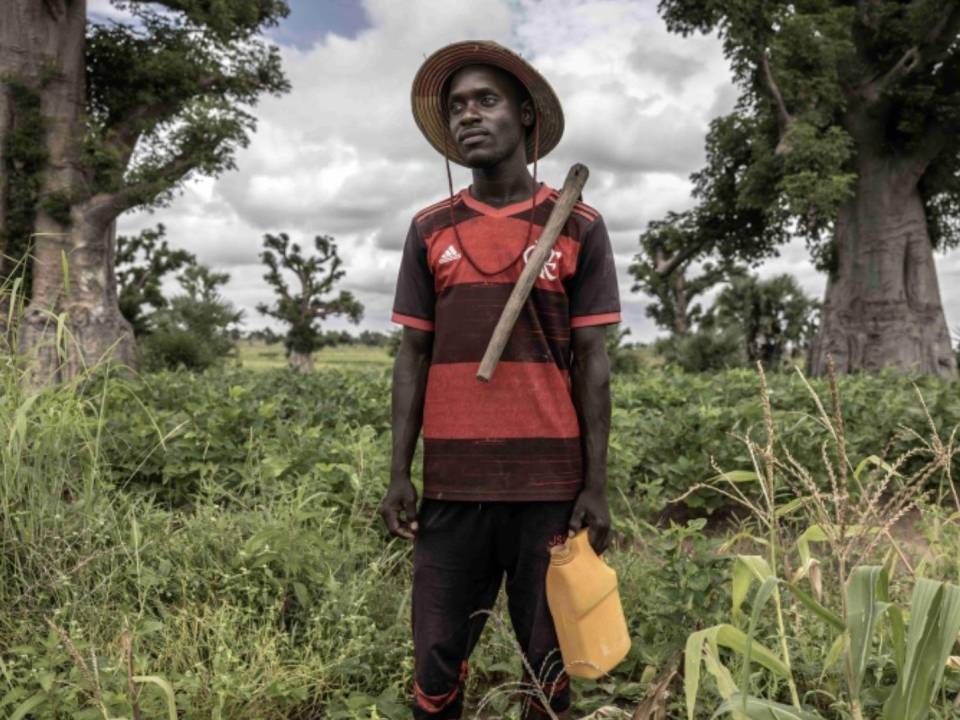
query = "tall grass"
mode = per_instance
[
  {"x": 210, "y": 543},
  {"x": 848, "y": 507}
]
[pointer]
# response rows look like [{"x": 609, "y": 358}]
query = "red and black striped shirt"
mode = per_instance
[{"x": 516, "y": 437}]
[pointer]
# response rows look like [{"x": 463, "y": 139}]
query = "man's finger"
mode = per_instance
[
  {"x": 391, "y": 519},
  {"x": 576, "y": 520},
  {"x": 410, "y": 510},
  {"x": 599, "y": 538}
]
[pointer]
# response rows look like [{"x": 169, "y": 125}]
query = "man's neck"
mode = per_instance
[{"x": 504, "y": 184}]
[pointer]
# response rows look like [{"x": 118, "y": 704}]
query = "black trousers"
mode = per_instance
[{"x": 462, "y": 552}]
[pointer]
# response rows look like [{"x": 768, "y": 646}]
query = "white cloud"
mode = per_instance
[{"x": 340, "y": 153}]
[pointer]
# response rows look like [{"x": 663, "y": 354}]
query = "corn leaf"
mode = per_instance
[
  {"x": 814, "y": 533},
  {"x": 746, "y": 570},
  {"x": 761, "y": 709},
  {"x": 897, "y": 635},
  {"x": 817, "y": 609},
  {"x": 789, "y": 507},
  {"x": 731, "y": 638},
  {"x": 934, "y": 624},
  {"x": 167, "y": 689},
  {"x": 691, "y": 669},
  {"x": 834, "y": 653},
  {"x": 736, "y": 476},
  {"x": 864, "y": 589},
  {"x": 876, "y": 462},
  {"x": 764, "y": 592},
  {"x": 723, "y": 676}
]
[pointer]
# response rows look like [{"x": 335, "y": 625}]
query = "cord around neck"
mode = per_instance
[{"x": 533, "y": 203}]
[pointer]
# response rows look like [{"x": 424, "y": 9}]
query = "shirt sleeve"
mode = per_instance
[
  {"x": 413, "y": 304},
  {"x": 594, "y": 297}
]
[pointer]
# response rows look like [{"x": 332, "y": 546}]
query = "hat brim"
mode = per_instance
[{"x": 437, "y": 69}]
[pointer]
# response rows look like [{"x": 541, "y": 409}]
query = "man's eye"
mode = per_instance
[
  {"x": 456, "y": 107},
  {"x": 489, "y": 99}
]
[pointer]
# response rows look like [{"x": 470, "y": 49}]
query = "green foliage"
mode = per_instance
[
  {"x": 750, "y": 320},
  {"x": 706, "y": 350},
  {"x": 847, "y": 521},
  {"x": 196, "y": 329},
  {"x": 623, "y": 358},
  {"x": 667, "y": 425},
  {"x": 305, "y": 309},
  {"x": 176, "y": 84},
  {"x": 57, "y": 206},
  {"x": 824, "y": 86},
  {"x": 142, "y": 262},
  {"x": 775, "y": 317},
  {"x": 225, "y": 523},
  {"x": 660, "y": 270},
  {"x": 393, "y": 347}
]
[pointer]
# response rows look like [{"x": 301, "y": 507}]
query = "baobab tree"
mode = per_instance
[
  {"x": 304, "y": 310},
  {"x": 100, "y": 118},
  {"x": 846, "y": 132}
]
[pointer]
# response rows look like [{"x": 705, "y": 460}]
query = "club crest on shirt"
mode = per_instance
[{"x": 550, "y": 270}]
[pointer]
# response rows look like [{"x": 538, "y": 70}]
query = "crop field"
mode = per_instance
[
  {"x": 207, "y": 545},
  {"x": 257, "y": 355}
]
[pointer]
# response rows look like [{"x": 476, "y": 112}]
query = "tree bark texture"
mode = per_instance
[
  {"x": 73, "y": 254},
  {"x": 301, "y": 362},
  {"x": 882, "y": 307}
]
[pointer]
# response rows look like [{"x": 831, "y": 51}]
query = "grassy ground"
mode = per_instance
[
  {"x": 257, "y": 355},
  {"x": 206, "y": 545}
]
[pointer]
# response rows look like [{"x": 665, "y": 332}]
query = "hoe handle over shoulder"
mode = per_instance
[{"x": 569, "y": 195}]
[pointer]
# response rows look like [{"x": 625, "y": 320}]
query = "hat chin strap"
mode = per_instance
[{"x": 533, "y": 201}]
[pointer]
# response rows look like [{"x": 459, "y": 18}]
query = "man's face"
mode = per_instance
[{"x": 487, "y": 115}]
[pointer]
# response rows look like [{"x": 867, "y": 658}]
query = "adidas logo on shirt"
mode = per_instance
[{"x": 449, "y": 255}]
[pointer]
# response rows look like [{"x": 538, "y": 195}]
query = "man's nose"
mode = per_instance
[{"x": 469, "y": 114}]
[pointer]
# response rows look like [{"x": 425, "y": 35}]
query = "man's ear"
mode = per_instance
[{"x": 527, "y": 115}]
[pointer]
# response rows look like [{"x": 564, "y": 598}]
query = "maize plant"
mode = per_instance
[{"x": 849, "y": 518}]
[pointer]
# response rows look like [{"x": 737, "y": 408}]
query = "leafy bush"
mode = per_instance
[
  {"x": 847, "y": 599},
  {"x": 707, "y": 350},
  {"x": 671, "y": 429},
  {"x": 217, "y": 531},
  {"x": 195, "y": 330}
]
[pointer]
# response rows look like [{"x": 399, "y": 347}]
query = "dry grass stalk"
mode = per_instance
[
  {"x": 523, "y": 689},
  {"x": 863, "y": 503},
  {"x": 654, "y": 704},
  {"x": 132, "y": 689},
  {"x": 92, "y": 678}
]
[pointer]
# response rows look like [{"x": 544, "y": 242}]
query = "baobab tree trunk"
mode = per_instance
[
  {"x": 301, "y": 362},
  {"x": 681, "y": 325},
  {"x": 882, "y": 307},
  {"x": 44, "y": 40}
]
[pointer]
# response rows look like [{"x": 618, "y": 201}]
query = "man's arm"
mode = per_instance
[
  {"x": 410, "y": 370},
  {"x": 590, "y": 378}
]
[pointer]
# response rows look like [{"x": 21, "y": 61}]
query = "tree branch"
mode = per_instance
[
  {"x": 664, "y": 268},
  {"x": 783, "y": 115},
  {"x": 932, "y": 49},
  {"x": 106, "y": 206}
]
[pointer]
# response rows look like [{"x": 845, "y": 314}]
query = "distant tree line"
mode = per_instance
[{"x": 197, "y": 328}]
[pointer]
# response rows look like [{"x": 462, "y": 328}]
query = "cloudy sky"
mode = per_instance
[{"x": 340, "y": 153}]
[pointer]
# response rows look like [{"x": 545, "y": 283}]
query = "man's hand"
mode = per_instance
[
  {"x": 591, "y": 510},
  {"x": 401, "y": 497}
]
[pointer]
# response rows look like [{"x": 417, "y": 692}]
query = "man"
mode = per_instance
[{"x": 512, "y": 466}]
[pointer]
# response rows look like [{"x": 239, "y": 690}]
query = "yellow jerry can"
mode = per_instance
[{"x": 585, "y": 605}]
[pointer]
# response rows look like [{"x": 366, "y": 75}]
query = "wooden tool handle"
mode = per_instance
[{"x": 572, "y": 187}]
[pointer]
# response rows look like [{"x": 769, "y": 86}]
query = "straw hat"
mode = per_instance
[{"x": 437, "y": 69}]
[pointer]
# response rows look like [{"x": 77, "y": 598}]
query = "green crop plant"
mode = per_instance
[{"x": 869, "y": 632}]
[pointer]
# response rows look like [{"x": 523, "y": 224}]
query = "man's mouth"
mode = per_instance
[{"x": 473, "y": 137}]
